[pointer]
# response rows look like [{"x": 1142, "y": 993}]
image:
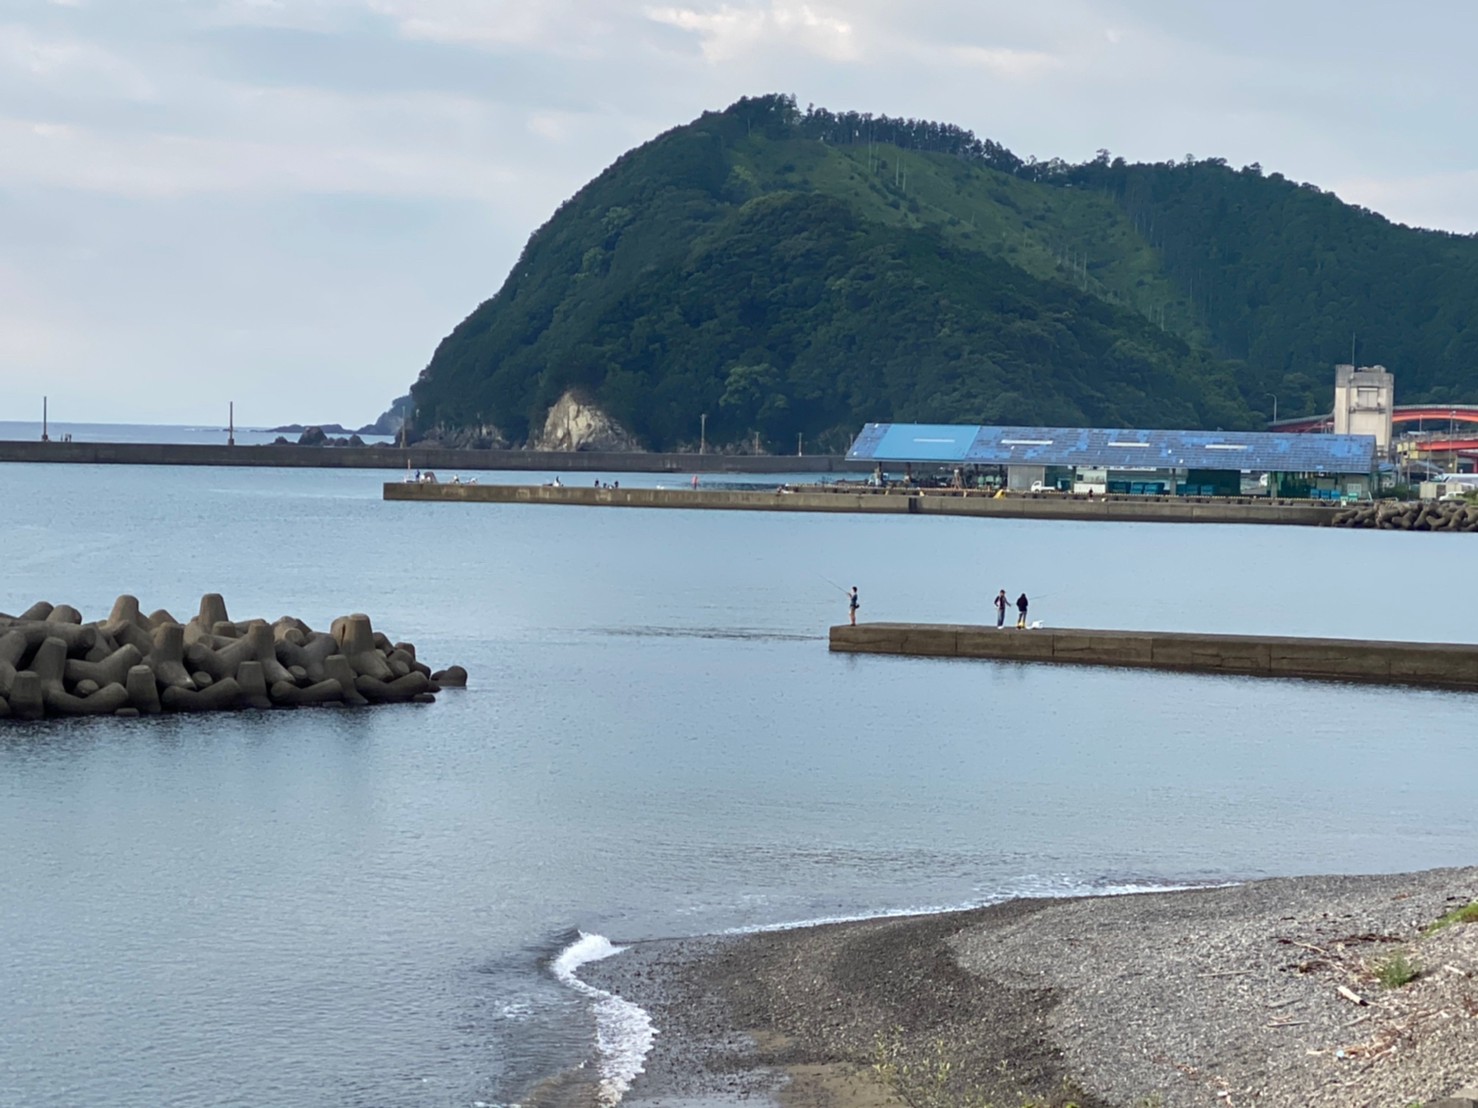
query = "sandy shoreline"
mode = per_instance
[{"x": 1205, "y": 997}]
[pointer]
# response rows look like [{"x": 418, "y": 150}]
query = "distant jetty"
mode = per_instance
[
  {"x": 389, "y": 456},
  {"x": 859, "y": 498},
  {"x": 1437, "y": 665},
  {"x": 131, "y": 664}
]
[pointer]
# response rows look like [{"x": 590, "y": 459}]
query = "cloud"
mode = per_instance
[
  {"x": 1004, "y": 62},
  {"x": 303, "y": 154},
  {"x": 730, "y": 32},
  {"x": 330, "y": 185},
  {"x": 74, "y": 66}
]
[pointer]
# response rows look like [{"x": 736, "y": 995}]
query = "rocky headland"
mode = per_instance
[{"x": 132, "y": 664}]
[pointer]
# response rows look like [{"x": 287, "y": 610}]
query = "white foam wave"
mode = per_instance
[
  {"x": 1030, "y": 887},
  {"x": 623, "y": 1031}
]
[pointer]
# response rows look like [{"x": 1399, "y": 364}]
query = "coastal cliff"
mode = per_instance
[{"x": 576, "y": 423}]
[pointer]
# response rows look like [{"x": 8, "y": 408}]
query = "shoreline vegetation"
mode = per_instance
[{"x": 1321, "y": 991}]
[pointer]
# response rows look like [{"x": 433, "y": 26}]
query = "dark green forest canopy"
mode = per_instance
[{"x": 786, "y": 272}]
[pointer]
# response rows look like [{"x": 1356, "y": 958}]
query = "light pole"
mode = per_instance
[
  {"x": 1275, "y": 407},
  {"x": 703, "y": 433}
]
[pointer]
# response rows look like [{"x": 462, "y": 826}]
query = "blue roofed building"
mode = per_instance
[{"x": 1129, "y": 462}]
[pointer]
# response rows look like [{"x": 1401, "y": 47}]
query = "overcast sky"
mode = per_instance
[{"x": 287, "y": 203}]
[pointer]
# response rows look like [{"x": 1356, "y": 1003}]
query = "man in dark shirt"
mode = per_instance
[
  {"x": 1001, "y": 603},
  {"x": 1021, "y": 603}
]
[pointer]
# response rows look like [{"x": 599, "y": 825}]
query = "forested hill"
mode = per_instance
[{"x": 790, "y": 272}]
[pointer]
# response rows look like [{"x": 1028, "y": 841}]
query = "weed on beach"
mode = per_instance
[
  {"x": 931, "y": 1079},
  {"x": 1468, "y": 913},
  {"x": 1396, "y": 969}
]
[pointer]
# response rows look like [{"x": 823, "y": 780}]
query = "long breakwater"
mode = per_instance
[
  {"x": 1437, "y": 665},
  {"x": 291, "y": 456},
  {"x": 890, "y": 502}
]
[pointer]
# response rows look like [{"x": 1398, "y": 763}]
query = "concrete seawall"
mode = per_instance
[
  {"x": 1437, "y": 665},
  {"x": 1128, "y": 509},
  {"x": 390, "y": 457}
]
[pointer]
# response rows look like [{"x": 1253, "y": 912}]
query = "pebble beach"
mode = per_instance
[{"x": 1266, "y": 993}]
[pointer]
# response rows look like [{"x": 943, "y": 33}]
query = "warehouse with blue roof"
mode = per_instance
[{"x": 1129, "y": 462}]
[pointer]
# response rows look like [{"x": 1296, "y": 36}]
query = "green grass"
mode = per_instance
[
  {"x": 1396, "y": 969},
  {"x": 1468, "y": 913}
]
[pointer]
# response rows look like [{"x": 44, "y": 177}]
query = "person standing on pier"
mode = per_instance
[
  {"x": 852, "y": 606},
  {"x": 1021, "y": 603},
  {"x": 1001, "y": 603}
]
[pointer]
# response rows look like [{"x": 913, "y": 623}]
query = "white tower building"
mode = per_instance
[{"x": 1363, "y": 399}]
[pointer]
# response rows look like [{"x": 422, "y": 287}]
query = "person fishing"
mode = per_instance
[
  {"x": 1001, "y": 603},
  {"x": 1021, "y": 603},
  {"x": 852, "y": 606}
]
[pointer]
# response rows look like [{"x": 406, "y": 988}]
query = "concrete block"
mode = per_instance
[
  {"x": 337, "y": 668},
  {"x": 929, "y": 642},
  {"x": 1440, "y": 664},
  {"x": 250, "y": 676},
  {"x": 212, "y": 610},
  {"x": 126, "y": 610},
  {"x": 219, "y": 697},
  {"x": 113, "y": 669},
  {"x": 1211, "y": 653},
  {"x": 866, "y": 638},
  {"x": 167, "y": 659},
  {"x": 143, "y": 690},
  {"x": 1007, "y": 644},
  {"x": 1329, "y": 658},
  {"x": 1103, "y": 648},
  {"x": 26, "y": 698}
]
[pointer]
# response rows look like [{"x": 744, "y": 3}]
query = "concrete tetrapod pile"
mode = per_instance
[
  {"x": 131, "y": 664},
  {"x": 1410, "y": 515}
]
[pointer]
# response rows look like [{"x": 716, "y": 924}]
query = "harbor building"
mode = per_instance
[
  {"x": 1127, "y": 462},
  {"x": 1364, "y": 402}
]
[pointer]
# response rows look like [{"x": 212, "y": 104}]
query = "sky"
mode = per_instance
[{"x": 288, "y": 203}]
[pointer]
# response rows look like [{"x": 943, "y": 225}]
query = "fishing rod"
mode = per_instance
[{"x": 832, "y": 583}]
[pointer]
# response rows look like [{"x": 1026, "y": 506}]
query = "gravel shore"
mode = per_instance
[{"x": 1227, "y": 996}]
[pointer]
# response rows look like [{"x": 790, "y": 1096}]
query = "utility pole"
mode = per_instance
[
  {"x": 44, "y": 436},
  {"x": 703, "y": 433},
  {"x": 231, "y": 426}
]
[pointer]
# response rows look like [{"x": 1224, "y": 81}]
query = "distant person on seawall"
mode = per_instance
[
  {"x": 1021, "y": 603},
  {"x": 852, "y": 605},
  {"x": 1001, "y": 603}
]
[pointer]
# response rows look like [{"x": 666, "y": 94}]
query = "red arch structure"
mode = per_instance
[
  {"x": 1402, "y": 413},
  {"x": 1449, "y": 446}
]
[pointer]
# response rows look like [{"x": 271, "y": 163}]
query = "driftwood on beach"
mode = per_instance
[{"x": 132, "y": 664}]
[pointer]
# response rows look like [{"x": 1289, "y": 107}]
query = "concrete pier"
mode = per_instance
[
  {"x": 1437, "y": 665},
  {"x": 892, "y": 502}
]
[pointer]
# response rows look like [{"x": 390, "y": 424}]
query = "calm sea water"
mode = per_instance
[{"x": 381, "y": 908}]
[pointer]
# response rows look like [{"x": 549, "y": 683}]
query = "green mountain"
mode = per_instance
[{"x": 791, "y": 273}]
